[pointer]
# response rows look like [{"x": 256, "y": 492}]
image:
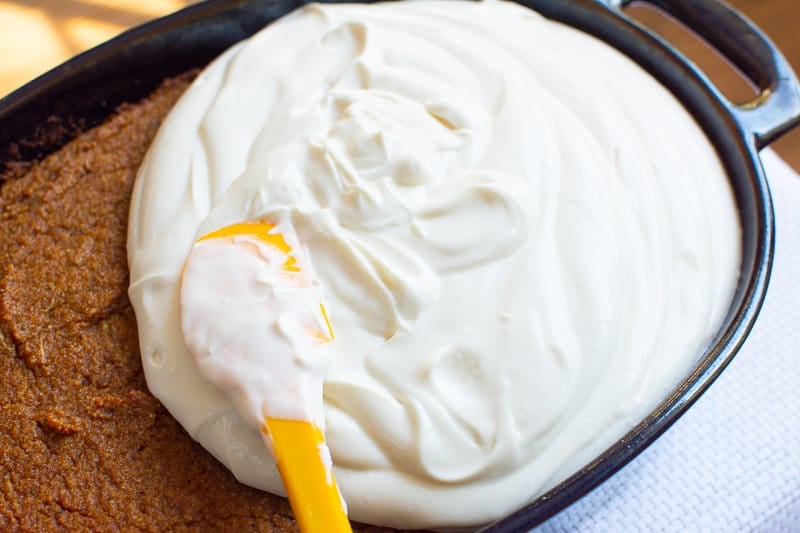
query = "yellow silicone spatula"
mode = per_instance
[
  {"x": 298, "y": 446},
  {"x": 309, "y": 481}
]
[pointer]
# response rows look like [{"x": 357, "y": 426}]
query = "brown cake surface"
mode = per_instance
[{"x": 83, "y": 443}]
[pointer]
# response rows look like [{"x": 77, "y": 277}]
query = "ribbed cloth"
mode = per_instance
[{"x": 732, "y": 462}]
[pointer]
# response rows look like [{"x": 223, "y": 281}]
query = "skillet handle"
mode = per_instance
[{"x": 776, "y": 109}]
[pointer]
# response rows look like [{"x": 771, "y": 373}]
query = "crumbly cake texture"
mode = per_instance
[{"x": 83, "y": 444}]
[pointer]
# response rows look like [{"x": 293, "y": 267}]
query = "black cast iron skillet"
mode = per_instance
[{"x": 87, "y": 89}]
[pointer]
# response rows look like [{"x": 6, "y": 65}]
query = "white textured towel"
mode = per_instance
[{"x": 732, "y": 462}]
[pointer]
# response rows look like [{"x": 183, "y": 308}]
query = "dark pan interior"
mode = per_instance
[{"x": 88, "y": 88}]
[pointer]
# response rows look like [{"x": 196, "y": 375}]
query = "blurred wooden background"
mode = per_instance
[{"x": 36, "y": 35}]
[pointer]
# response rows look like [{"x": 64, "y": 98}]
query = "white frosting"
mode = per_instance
[
  {"x": 255, "y": 327},
  {"x": 523, "y": 243}
]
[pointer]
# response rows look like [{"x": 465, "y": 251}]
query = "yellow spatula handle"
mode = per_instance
[{"x": 310, "y": 485}]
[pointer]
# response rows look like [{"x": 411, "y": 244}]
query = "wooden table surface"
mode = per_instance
[{"x": 36, "y": 35}]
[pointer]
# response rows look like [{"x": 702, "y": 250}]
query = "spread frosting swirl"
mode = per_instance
[{"x": 522, "y": 239}]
